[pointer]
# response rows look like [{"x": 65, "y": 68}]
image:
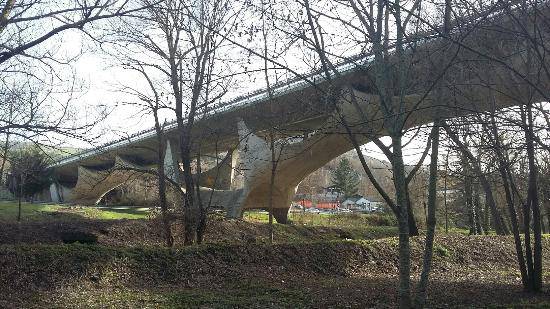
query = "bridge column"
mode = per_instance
[
  {"x": 55, "y": 193},
  {"x": 254, "y": 166},
  {"x": 281, "y": 215},
  {"x": 236, "y": 173},
  {"x": 171, "y": 161},
  {"x": 219, "y": 177}
]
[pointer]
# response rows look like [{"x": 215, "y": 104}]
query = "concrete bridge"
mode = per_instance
[{"x": 309, "y": 131}]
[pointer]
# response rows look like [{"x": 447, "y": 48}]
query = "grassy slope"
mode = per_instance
[
  {"x": 44, "y": 223},
  {"x": 310, "y": 266},
  {"x": 34, "y": 212},
  {"x": 469, "y": 271}
]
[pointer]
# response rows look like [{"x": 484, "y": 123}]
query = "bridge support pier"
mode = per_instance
[
  {"x": 281, "y": 215},
  {"x": 171, "y": 162},
  {"x": 254, "y": 163},
  {"x": 54, "y": 193}
]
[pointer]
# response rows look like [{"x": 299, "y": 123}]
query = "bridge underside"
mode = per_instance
[
  {"x": 241, "y": 178},
  {"x": 308, "y": 128}
]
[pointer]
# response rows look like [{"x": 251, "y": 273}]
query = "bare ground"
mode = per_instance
[
  {"x": 475, "y": 271},
  {"x": 55, "y": 227}
]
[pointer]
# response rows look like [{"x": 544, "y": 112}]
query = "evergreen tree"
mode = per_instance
[{"x": 345, "y": 179}]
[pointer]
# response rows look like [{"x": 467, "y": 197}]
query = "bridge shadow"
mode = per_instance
[{"x": 54, "y": 224}]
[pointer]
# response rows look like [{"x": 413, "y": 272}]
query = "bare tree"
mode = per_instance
[
  {"x": 385, "y": 27},
  {"x": 37, "y": 81},
  {"x": 28, "y": 173},
  {"x": 179, "y": 52},
  {"x": 473, "y": 164},
  {"x": 155, "y": 106}
]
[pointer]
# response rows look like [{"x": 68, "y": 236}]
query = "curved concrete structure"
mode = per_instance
[
  {"x": 307, "y": 125},
  {"x": 93, "y": 184}
]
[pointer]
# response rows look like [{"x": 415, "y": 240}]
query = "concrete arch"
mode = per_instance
[
  {"x": 475, "y": 84},
  {"x": 298, "y": 160},
  {"x": 93, "y": 184}
]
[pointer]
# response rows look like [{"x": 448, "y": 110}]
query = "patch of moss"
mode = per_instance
[
  {"x": 244, "y": 295},
  {"x": 441, "y": 250}
]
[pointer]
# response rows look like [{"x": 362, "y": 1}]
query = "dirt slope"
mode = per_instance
[
  {"x": 148, "y": 232},
  {"x": 468, "y": 271}
]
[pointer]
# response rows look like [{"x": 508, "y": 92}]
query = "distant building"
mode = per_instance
[
  {"x": 305, "y": 203},
  {"x": 327, "y": 205},
  {"x": 329, "y": 193},
  {"x": 350, "y": 202},
  {"x": 362, "y": 203}
]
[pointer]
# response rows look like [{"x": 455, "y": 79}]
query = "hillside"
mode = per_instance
[
  {"x": 468, "y": 272},
  {"x": 317, "y": 261},
  {"x": 380, "y": 169}
]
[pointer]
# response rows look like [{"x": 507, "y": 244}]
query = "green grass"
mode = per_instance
[
  {"x": 9, "y": 210},
  {"x": 305, "y": 227},
  {"x": 256, "y": 216},
  {"x": 29, "y": 211},
  {"x": 328, "y": 220},
  {"x": 112, "y": 213}
]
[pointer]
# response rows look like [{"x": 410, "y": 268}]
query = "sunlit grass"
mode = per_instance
[
  {"x": 31, "y": 211},
  {"x": 9, "y": 210},
  {"x": 329, "y": 220},
  {"x": 111, "y": 213}
]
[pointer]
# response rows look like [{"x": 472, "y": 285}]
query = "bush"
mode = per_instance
[{"x": 381, "y": 219}]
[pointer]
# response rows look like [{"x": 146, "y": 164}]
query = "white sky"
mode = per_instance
[{"x": 103, "y": 77}]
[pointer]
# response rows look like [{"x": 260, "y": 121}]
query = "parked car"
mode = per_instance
[{"x": 313, "y": 210}]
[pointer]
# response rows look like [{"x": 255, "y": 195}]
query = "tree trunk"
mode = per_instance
[
  {"x": 478, "y": 210},
  {"x": 399, "y": 180},
  {"x": 421, "y": 290},
  {"x": 271, "y": 184},
  {"x": 445, "y": 193},
  {"x": 533, "y": 204},
  {"x": 4, "y": 158},
  {"x": 467, "y": 183},
  {"x": 546, "y": 203},
  {"x": 189, "y": 207},
  {"x": 169, "y": 239},
  {"x": 486, "y": 217},
  {"x": 503, "y": 168},
  {"x": 413, "y": 227},
  {"x": 21, "y": 184}
]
